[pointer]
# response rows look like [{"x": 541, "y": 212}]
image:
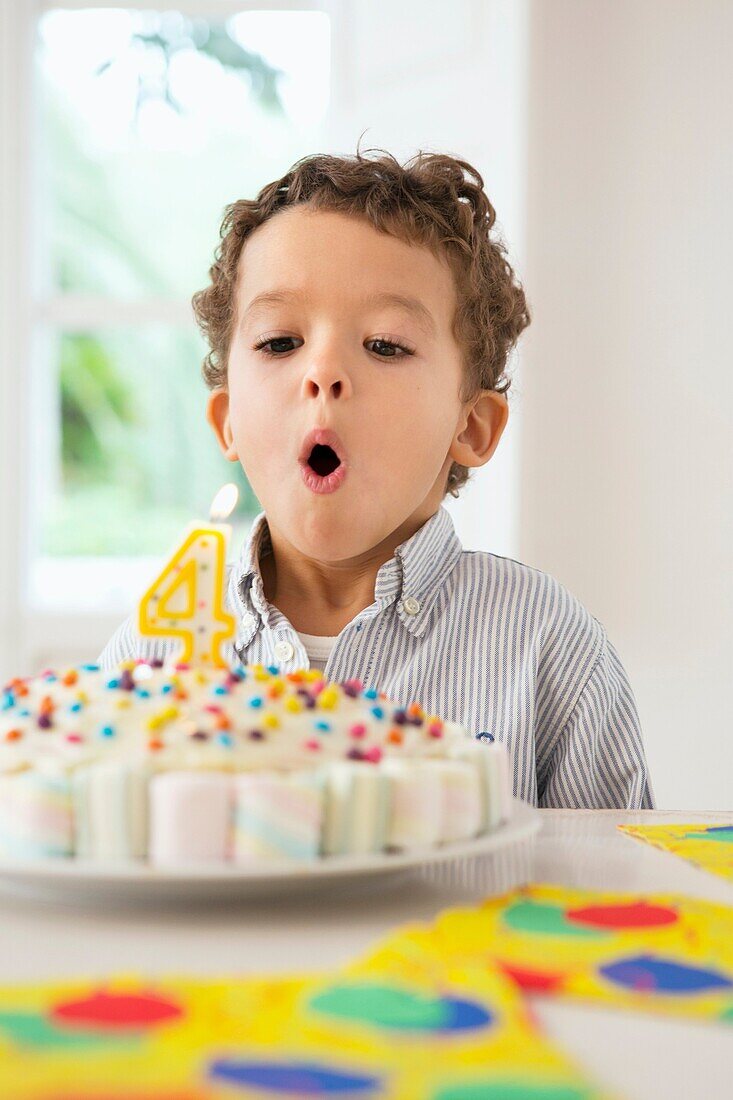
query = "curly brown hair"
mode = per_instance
[{"x": 428, "y": 201}]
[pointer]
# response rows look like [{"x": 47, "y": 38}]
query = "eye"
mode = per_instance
[
  {"x": 391, "y": 344},
  {"x": 263, "y": 345}
]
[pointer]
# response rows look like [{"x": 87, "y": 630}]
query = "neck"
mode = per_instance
[{"x": 323, "y": 597}]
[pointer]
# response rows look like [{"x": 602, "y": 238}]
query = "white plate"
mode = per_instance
[{"x": 132, "y": 881}]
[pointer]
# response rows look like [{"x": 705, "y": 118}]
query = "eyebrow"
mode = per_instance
[{"x": 384, "y": 298}]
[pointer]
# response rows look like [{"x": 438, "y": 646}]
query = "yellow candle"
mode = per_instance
[{"x": 186, "y": 600}]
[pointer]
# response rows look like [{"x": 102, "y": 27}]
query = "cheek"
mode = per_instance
[{"x": 252, "y": 424}]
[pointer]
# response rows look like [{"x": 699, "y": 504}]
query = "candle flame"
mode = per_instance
[{"x": 224, "y": 502}]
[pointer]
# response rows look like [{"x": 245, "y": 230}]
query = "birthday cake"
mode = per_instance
[{"x": 172, "y": 764}]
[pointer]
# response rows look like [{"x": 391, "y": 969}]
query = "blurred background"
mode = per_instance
[{"x": 603, "y": 131}]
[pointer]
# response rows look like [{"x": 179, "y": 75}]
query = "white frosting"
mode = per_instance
[{"x": 181, "y": 701}]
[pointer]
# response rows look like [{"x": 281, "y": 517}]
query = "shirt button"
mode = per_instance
[
  {"x": 411, "y": 605},
  {"x": 284, "y": 651}
]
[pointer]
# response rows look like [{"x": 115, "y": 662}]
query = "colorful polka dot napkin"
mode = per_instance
[
  {"x": 662, "y": 953},
  {"x": 399, "y": 1028},
  {"x": 707, "y": 846}
]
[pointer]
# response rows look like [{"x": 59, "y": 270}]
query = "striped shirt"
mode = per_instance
[{"x": 479, "y": 639}]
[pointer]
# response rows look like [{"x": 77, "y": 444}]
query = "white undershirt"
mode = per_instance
[{"x": 317, "y": 647}]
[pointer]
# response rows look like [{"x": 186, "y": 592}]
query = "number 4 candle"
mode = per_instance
[{"x": 187, "y": 599}]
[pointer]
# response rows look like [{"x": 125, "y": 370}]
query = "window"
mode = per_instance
[{"x": 146, "y": 124}]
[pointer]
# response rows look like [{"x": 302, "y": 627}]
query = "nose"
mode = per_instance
[{"x": 326, "y": 376}]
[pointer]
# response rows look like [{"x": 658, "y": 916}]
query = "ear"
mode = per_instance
[
  {"x": 484, "y": 423},
  {"x": 217, "y": 414}
]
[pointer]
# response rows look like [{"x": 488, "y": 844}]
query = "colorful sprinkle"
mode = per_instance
[
  {"x": 126, "y": 681},
  {"x": 329, "y": 697},
  {"x": 157, "y": 720},
  {"x": 358, "y": 730},
  {"x": 107, "y": 731},
  {"x": 13, "y": 735}
]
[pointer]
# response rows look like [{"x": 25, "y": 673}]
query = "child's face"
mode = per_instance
[{"x": 397, "y": 415}]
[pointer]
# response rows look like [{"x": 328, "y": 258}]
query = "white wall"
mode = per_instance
[{"x": 627, "y": 366}]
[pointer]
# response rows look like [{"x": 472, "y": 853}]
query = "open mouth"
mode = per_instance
[{"x": 323, "y": 460}]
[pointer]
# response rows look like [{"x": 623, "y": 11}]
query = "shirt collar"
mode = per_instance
[{"x": 413, "y": 576}]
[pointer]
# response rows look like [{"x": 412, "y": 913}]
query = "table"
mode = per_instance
[{"x": 637, "y": 1055}]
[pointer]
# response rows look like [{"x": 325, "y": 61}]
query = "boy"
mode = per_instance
[{"x": 359, "y": 316}]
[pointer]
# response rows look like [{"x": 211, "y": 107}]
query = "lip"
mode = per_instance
[
  {"x": 324, "y": 437},
  {"x": 320, "y": 484}
]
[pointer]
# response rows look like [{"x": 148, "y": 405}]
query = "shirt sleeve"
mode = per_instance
[{"x": 598, "y": 760}]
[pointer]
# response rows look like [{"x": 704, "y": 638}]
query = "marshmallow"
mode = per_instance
[
  {"x": 416, "y": 803},
  {"x": 356, "y": 808},
  {"x": 36, "y": 815},
  {"x": 278, "y": 816},
  {"x": 111, "y": 810},
  {"x": 190, "y": 817}
]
